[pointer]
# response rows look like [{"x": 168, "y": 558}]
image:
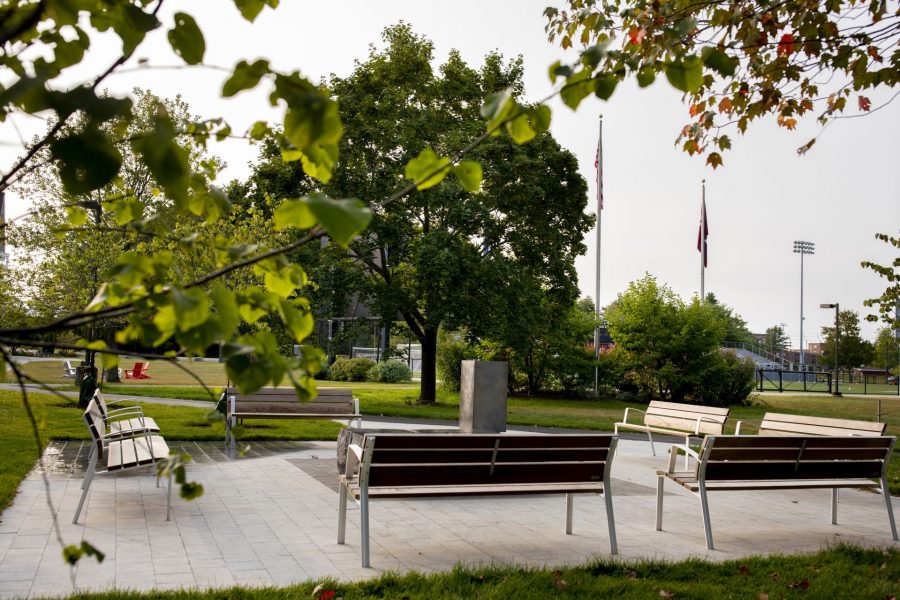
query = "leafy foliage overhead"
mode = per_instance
[{"x": 735, "y": 61}]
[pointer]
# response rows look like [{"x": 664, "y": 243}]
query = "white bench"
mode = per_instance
[
  {"x": 283, "y": 403},
  {"x": 125, "y": 419},
  {"x": 681, "y": 420},
  {"x": 68, "y": 369},
  {"x": 743, "y": 462},
  {"x": 413, "y": 465},
  {"x": 120, "y": 452},
  {"x": 784, "y": 424}
]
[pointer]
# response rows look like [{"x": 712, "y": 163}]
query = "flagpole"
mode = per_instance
[
  {"x": 599, "y": 166},
  {"x": 703, "y": 245}
]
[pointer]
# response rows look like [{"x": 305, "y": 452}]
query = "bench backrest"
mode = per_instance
[
  {"x": 746, "y": 458},
  {"x": 782, "y": 424},
  {"x": 96, "y": 425},
  {"x": 674, "y": 415},
  {"x": 139, "y": 369},
  {"x": 452, "y": 459},
  {"x": 328, "y": 401}
]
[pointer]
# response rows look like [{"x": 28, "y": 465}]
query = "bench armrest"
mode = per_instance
[
  {"x": 628, "y": 409},
  {"x": 130, "y": 410},
  {"x": 354, "y": 457},
  {"x": 737, "y": 428},
  {"x": 700, "y": 420},
  {"x": 131, "y": 434}
]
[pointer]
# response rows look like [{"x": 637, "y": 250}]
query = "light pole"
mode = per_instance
[
  {"x": 837, "y": 345},
  {"x": 802, "y": 248}
]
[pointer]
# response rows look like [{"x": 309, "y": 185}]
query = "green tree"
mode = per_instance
[
  {"x": 776, "y": 340},
  {"x": 889, "y": 302},
  {"x": 886, "y": 353},
  {"x": 453, "y": 254},
  {"x": 735, "y": 326},
  {"x": 736, "y": 61},
  {"x": 853, "y": 351},
  {"x": 669, "y": 345}
]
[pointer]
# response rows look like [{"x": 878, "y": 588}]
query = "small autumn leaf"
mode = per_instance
[
  {"x": 744, "y": 570},
  {"x": 636, "y": 35},
  {"x": 864, "y": 104},
  {"x": 725, "y": 105},
  {"x": 666, "y": 594},
  {"x": 715, "y": 160},
  {"x": 786, "y": 45}
]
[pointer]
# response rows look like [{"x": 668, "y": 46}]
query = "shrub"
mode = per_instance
[
  {"x": 391, "y": 371},
  {"x": 728, "y": 380},
  {"x": 350, "y": 369},
  {"x": 451, "y": 351}
]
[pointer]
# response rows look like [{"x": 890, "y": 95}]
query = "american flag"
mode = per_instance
[{"x": 598, "y": 164}]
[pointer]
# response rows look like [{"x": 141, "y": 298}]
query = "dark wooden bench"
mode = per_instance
[
  {"x": 733, "y": 463},
  {"x": 450, "y": 464},
  {"x": 783, "y": 424},
  {"x": 283, "y": 403},
  {"x": 677, "y": 419}
]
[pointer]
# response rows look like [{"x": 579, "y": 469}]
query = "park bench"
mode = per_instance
[
  {"x": 414, "y": 465},
  {"x": 68, "y": 369},
  {"x": 123, "y": 419},
  {"x": 120, "y": 452},
  {"x": 681, "y": 420},
  {"x": 782, "y": 424},
  {"x": 283, "y": 403},
  {"x": 736, "y": 463},
  {"x": 138, "y": 371}
]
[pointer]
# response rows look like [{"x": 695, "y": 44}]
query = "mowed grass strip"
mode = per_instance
[{"x": 840, "y": 572}]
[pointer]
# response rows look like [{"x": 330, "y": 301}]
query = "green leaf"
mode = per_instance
[
  {"x": 87, "y": 161},
  {"x": 226, "y": 309},
  {"x": 539, "y": 117},
  {"x": 250, "y": 9},
  {"x": 191, "y": 307},
  {"x": 342, "y": 219},
  {"x": 427, "y": 169},
  {"x": 592, "y": 56},
  {"x": 496, "y": 108},
  {"x": 164, "y": 157},
  {"x": 259, "y": 130},
  {"x": 686, "y": 75},
  {"x": 187, "y": 39},
  {"x": 685, "y": 26},
  {"x": 165, "y": 322},
  {"x": 293, "y": 212},
  {"x": 719, "y": 61},
  {"x": 520, "y": 130},
  {"x": 76, "y": 216},
  {"x": 469, "y": 174},
  {"x": 299, "y": 322},
  {"x": 577, "y": 87},
  {"x": 558, "y": 70},
  {"x": 245, "y": 76},
  {"x": 285, "y": 280},
  {"x": 606, "y": 85},
  {"x": 128, "y": 210},
  {"x": 646, "y": 76}
]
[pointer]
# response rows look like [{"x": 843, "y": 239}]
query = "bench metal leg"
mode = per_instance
[
  {"x": 707, "y": 526},
  {"x": 86, "y": 486},
  {"x": 570, "y": 501},
  {"x": 364, "y": 526},
  {"x": 834, "y": 503},
  {"x": 168, "y": 497},
  {"x": 652, "y": 448},
  {"x": 342, "y": 514},
  {"x": 659, "y": 502},
  {"x": 889, "y": 506},
  {"x": 607, "y": 495}
]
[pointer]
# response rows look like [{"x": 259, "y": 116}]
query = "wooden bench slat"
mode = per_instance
[
  {"x": 482, "y": 473},
  {"x": 683, "y": 424},
  {"x": 790, "y": 454},
  {"x": 794, "y": 441},
  {"x": 483, "y": 490},
  {"x": 697, "y": 408},
  {"x": 793, "y": 470},
  {"x": 488, "y": 455},
  {"x": 850, "y": 424}
]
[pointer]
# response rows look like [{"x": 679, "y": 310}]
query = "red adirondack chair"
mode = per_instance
[{"x": 139, "y": 371}]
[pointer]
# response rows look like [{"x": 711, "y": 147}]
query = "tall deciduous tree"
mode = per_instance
[
  {"x": 457, "y": 252},
  {"x": 887, "y": 350},
  {"x": 735, "y": 326},
  {"x": 776, "y": 339},
  {"x": 853, "y": 351},
  {"x": 736, "y": 61}
]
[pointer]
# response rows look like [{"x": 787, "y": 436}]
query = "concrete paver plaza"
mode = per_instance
[{"x": 270, "y": 518}]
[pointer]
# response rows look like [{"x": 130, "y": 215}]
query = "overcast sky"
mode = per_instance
[{"x": 838, "y": 196}]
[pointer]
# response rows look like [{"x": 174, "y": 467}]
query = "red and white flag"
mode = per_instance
[
  {"x": 702, "y": 233},
  {"x": 598, "y": 164}
]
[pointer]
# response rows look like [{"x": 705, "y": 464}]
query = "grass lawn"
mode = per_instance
[
  {"x": 839, "y": 572},
  {"x": 161, "y": 372}
]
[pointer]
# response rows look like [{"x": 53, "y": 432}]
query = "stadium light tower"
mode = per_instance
[{"x": 802, "y": 248}]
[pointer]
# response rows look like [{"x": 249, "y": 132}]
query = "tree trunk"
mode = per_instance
[{"x": 427, "y": 392}]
